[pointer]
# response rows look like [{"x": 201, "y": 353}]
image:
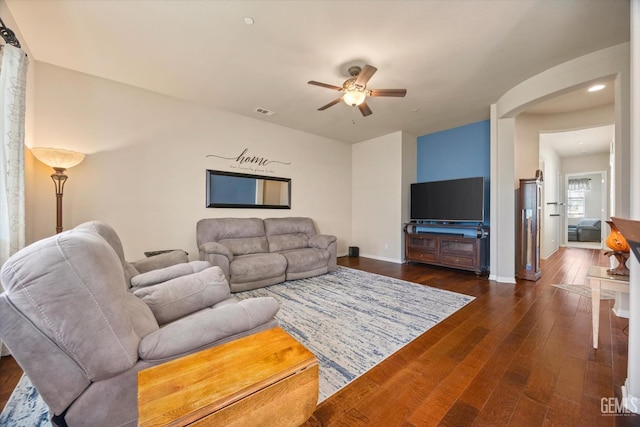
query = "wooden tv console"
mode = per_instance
[{"x": 445, "y": 247}]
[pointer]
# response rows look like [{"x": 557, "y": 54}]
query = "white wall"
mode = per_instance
[
  {"x": 144, "y": 172},
  {"x": 409, "y": 176},
  {"x": 383, "y": 168},
  {"x": 581, "y": 164},
  {"x": 552, "y": 214}
]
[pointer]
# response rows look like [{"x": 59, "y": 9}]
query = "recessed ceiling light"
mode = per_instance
[
  {"x": 415, "y": 110},
  {"x": 596, "y": 88},
  {"x": 248, "y": 20}
]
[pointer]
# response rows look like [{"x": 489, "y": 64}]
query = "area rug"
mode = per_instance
[
  {"x": 585, "y": 291},
  {"x": 25, "y": 408},
  {"x": 350, "y": 319}
]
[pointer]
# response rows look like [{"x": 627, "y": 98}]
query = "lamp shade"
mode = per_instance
[
  {"x": 57, "y": 158},
  {"x": 353, "y": 97}
]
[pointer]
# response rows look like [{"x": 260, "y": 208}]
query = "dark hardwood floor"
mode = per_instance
[{"x": 518, "y": 355}]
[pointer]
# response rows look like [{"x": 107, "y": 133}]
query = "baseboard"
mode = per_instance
[
  {"x": 621, "y": 313},
  {"x": 631, "y": 403},
  {"x": 379, "y": 258},
  {"x": 546, "y": 257},
  {"x": 507, "y": 280}
]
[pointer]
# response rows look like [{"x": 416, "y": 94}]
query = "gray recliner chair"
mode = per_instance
[{"x": 81, "y": 333}]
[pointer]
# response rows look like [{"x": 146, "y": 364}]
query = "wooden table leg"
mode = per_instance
[{"x": 595, "y": 309}]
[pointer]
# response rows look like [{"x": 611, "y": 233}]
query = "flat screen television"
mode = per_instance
[{"x": 453, "y": 200}]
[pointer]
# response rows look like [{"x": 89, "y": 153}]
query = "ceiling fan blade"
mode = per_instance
[
  {"x": 363, "y": 77},
  {"x": 328, "y": 86},
  {"x": 388, "y": 92},
  {"x": 331, "y": 104},
  {"x": 364, "y": 109}
]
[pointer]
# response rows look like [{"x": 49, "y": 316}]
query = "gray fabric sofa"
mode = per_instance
[
  {"x": 586, "y": 230},
  {"x": 81, "y": 333},
  {"x": 254, "y": 252}
]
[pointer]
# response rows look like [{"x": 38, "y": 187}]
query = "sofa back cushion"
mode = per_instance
[
  {"x": 217, "y": 229},
  {"x": 285, "y": 242},
  {"x": 292, "y": 225},
  {"x": 246, "y": 245},
  {"x": 589, "y": 222},
  {"x": 111, "y": 237}
]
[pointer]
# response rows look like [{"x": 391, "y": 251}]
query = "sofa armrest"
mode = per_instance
[
  {"x": 161, "y": 275},
  {"x": 217, "y": 254},
  {"x": 184, "y": 295},
  {"x": 321, "y": 241},
  {"x": 160, "y": 261},
  {"x": 215, "y": 248}
]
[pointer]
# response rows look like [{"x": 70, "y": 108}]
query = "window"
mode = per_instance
[{"x": 575, "y": 203}]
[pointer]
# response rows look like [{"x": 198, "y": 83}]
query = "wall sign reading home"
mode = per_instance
[
  {"x": 240, "y": 190},
  {"x": 249, "y": 163}
]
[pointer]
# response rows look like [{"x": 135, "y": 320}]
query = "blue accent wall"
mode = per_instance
[{"x": 461, "y": 152}]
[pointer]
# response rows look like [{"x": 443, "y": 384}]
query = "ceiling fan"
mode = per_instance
[{"x": 354, "y": 89}]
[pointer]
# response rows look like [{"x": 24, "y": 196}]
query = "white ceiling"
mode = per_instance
[
  {"x": 455, "y": 58},
  {"x": 579, "y": 142},
  {"x": 582, "y": 142}
]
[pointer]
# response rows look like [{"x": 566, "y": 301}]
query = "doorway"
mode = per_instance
[
  {"x": 577, "y": 166},
  {"x": 586, "y": 197}
]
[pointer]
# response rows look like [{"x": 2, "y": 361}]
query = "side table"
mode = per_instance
[
  {"x": 267, "y": 378},
  {"x": 600, "y": 279}
]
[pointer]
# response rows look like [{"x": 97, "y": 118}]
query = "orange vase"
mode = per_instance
[{"x": 616, "y": 240}]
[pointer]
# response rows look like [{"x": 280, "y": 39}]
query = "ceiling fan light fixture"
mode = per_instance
[
  {"x": 354, "y": 97},
  {"x": 354, "y": 90}
]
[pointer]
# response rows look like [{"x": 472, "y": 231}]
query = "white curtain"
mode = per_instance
[
  {"x": 579, "y": 184},
  {"x": 13, "y": 78}
]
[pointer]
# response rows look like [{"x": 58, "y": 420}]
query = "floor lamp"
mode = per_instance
[{"x": 59, "y": 160}]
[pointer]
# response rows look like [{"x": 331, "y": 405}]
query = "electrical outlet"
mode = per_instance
[{"x": 386, "y": 246}]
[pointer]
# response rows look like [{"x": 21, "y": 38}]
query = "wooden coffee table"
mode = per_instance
[{"x": 267, "y": 378}]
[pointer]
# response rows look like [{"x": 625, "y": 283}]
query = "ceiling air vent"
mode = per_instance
[{"x": 264, "y": 111}]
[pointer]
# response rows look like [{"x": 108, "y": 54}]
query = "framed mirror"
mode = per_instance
[{"x": 239, "y": 190}]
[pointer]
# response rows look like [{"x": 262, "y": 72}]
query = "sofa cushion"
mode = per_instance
[
  {"x": 299, "y": 260},
  {"x": 286, "y": 242},
  {"x": 181, "y": 296},
  {"x": 142, "y": 318},
  {"x": 248, "y": 268},
  {"x": 207, "y": 326},
  {"x": 589, "y": 222},
  {"x": 291, "y": 225},
  {"x": 216, "y": 229},
  {"x": 246, "y": 245}
]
